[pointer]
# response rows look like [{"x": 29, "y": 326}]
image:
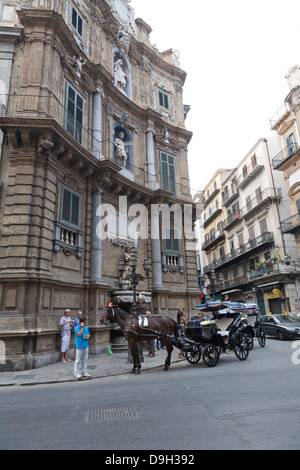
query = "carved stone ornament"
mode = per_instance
[{"x": 123, "y": 40}]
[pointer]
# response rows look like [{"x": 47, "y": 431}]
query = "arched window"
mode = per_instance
[{"x": 122, "y": 147}]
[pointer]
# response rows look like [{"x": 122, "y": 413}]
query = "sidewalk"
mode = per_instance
[{"x": 98, "y": 366}]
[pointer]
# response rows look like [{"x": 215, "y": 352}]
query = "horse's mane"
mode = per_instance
[{"x": 124, "y": 315}]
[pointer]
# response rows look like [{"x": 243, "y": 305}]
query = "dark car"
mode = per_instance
[{"x": 281, "y": 326}]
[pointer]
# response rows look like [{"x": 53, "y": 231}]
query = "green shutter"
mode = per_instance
[{"x": 70, "y": 207}]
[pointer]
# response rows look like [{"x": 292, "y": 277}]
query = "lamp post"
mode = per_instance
[{"x": 133, "y": 277}]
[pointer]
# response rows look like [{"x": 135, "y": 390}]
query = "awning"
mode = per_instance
[
  {"x": 230, "y": 291},
  {"x": 270, "y": 284}
]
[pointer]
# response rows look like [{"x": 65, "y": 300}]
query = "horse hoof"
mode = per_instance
[
  {"x": 166, "y": 368},
  {"x": 132, "y": 371},
  {"x": 137, "y": 372}
]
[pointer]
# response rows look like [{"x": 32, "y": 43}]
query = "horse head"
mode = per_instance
[{"x": 109, "y": 314}]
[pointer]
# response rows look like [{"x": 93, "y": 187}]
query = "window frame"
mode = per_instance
[
  {"x": 76, "y": 129},
  {"x": 172, "y": 240},
  {"x": 69, "y": 221},
  {"x": 163, "y": 100},
  {"x": 78, "y": 29},
  {"x": 171, "y": 170}
]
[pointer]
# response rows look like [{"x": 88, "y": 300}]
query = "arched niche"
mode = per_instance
[{"x": 121, "y": 133}]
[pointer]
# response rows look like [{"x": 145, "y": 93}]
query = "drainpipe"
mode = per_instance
[{"x": 272, "y": 176}]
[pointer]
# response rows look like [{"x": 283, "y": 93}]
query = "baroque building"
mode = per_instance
[{"x": 92, "y": 116}]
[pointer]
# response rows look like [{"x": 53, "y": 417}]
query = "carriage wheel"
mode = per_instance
[
  {"x": 210, "y": 356},
  {"x": 194, "y": 355},
  {"x": 250, "y": 341},
  {"x": 241, "y": 346},
  {"x": 261, "y": 336}
]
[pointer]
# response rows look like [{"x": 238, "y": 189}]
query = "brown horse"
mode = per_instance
[{"x": 158, "y": 326}]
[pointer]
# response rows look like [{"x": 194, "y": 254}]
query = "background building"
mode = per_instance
[
  {"x": 245, "y": 250},
  {"x": 286, "y": 123},
  {"x": 91, "y": 114}
]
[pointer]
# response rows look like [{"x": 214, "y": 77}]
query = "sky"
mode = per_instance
[{"x": 236, "y": 55}]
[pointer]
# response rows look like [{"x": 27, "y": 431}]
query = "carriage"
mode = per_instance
[
  {"x": 206, "y": 339},
  {"x": 225, "y": 330},
  {"x": 250, "y": 325}
]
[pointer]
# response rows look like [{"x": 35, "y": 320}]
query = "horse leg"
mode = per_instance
[
  {"x": 168, "y": 360},
  {"x": 131, "y": 346},
  {"x": 136, "y": 360}
]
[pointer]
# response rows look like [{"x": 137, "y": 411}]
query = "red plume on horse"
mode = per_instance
[{"x": 134, "y": 332}]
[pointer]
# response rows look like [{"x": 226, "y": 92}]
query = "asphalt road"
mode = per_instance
[{"x": 253, "y": 404}]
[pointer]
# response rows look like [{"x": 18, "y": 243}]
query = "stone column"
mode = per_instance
[
  {"x": 97, "y": 123},
  {"x": 156, "y": 252},
  {"x": 96, "y": 242},
  {"x": 150, "y": 156}
]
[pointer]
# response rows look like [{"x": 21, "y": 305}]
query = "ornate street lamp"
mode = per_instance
[{"x": 133, "y": 277}]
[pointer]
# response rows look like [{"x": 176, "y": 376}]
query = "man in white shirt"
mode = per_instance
[{"x": 65, "y": 331}]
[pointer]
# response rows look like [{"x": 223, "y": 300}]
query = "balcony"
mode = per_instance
[
  {"x": 215, "y": 238},
  {"x": 229, "y": 196},
  {"x": 209, "y": 198},
  {"x": 280, "y": 115},
  {"x": 291, "y": 225},
  {"x": 67, "y": 240},
  {"x": 172, "y": 262},
  {"x": 211, "y": 214},
  {"x": 260, "y": 202},
  {"x": 232, "y": 219},
  {"x": 250, "y": 173},
  {"x": 253, "y": 247},
  {"x": 285, "y": 155}
]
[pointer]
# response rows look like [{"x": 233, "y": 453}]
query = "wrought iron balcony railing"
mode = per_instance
[
  {"x": 243, "y": 251},
  {"x": 284, "y": 155},
  {"x": 291, "y": 225}
]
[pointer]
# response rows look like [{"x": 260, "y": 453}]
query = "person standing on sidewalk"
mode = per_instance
[
  {"x": 82, "y": 336},
  {"x": 65, "y": 331},
  {"x": 77, "y": 319}
]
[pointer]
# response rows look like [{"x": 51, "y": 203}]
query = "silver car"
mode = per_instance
[{"x": 281, "y": 326}]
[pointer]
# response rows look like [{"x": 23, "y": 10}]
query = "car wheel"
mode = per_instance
[{"x": 280, "y": 335}]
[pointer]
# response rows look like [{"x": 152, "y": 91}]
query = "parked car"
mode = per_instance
[{"x": 281, "y": 326}]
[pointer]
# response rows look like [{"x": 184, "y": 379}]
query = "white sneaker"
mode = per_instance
[
  {"x": 78, "y": 376},
  {"x": 88, "y": 376}
]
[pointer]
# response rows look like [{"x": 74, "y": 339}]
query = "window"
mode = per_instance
[
  {"x": 172, "y": 243},
  {"x": 74, "y": 113},
  {"x": 167, "y": 167},
  {"x": 291, "y": 144},
  {"x": 70, "y": 207},
  {"x": 253, "y": 161},
  {"x": 251, "y": 233},
  {"x": 163, "y": 99},
  {"x": 258, "y": 195},
  {"x": 248, "y": 203},
  {"x": 77, "y": 21},
  {"x": 263, "y": 225}
]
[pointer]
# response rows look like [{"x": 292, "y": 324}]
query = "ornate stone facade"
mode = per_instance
[{"x": 60, "y": 117}]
